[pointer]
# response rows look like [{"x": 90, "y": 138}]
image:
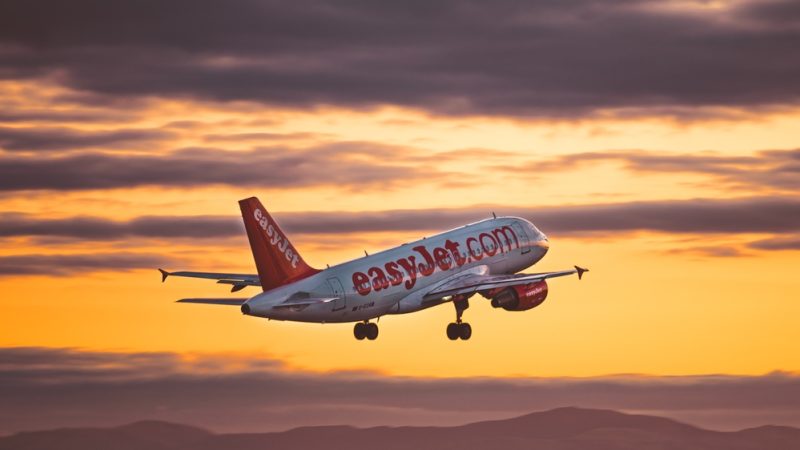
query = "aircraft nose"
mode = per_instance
[{"x": 544, "y": 244}]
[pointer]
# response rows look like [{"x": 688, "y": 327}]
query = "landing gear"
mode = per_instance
[
  {"x": 372, "y": 331},
  {"x": 459, "y": 329},
  {"x": 365, "y": 330},
  {"x": 465, "y": 331}
]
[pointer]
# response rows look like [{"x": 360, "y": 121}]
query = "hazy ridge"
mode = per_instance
[{"x": 558, "y": 429}]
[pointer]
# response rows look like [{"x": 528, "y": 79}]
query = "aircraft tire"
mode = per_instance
[
  {"x": 371, "y": 331},
  {"x": 453, "y": 331},
  {"x": 359, "y": 332},
  {"x": 464, "y": 331}
]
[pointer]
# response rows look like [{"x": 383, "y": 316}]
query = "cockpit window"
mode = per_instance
[{"x": 536, "y": 232}]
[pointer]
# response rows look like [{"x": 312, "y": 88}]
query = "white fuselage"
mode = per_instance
[{"x": 394, "y": 281}]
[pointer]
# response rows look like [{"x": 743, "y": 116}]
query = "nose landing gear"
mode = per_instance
[
  {"x": 458, "y": 329},
  {"x": 365, "y": 330}
]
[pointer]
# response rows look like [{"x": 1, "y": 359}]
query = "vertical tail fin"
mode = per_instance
[{"x": 277, "y": 260}]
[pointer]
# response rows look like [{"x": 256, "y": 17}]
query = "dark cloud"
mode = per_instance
[
  {"x": 38, "y": 138},
  {"x": 46, "y": 388},
  {"x": 791, "y": 242},
  {"x": 12, "y": 115},
  {"x": 776, "y": 169},
  {"x": 543, "y": 58},
  {"x": 69, "y": 264},
  {"x": 748, "y": 215},
  {"x": 262, "y": 137},
  {"x": 96, "y": 228},
  {"x": 772, "y": 12},
  {"x": 344, "y": 164},
  {"x": 707, "y": 251}
]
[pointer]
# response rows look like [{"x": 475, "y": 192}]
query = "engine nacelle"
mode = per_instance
[{"x": 521, "y": 297}]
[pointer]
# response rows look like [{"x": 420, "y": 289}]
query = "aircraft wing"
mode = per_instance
[
  {"x": 469, "y": 284},
  {"x": 290, "y": 303},
  {"x": 306, "y": 301},
  {"x": 214, "y": 301},
  {"x": 237, "y": 280}
]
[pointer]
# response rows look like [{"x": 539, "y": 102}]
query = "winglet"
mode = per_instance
[
  {"x": 164, "y": 275},
  {"x": 580, "y": 271}
]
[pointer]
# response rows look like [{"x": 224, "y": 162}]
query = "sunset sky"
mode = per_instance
[{"x": 654, "y": 142}]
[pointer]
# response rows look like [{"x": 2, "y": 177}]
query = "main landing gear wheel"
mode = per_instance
[
  {"x": 365, "y": 330},
  {"x": 459, "y": 329},
  {"x": 464, "y": 331},
  {"x": 372, "y": 331},
  {"x": 453, "y": 331}
]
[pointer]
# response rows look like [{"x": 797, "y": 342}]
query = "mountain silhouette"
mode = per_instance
[
  {"x": 558, "y": 429},
  {"x": 147, "y": 434}
]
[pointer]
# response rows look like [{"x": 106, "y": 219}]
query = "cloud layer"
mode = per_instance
[
  {"x": 540, "y": 58},
  {"x": 46, "y": 388},
  {"x": 746, "y": 215},
  {"x": 348, "y": 164},
  {"x": 82, "y": 263},
  {"x": 51, "y": 139},
  {"x": 775, "y": 169}
]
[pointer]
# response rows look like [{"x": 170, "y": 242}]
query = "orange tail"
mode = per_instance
[{"x": 277, "y": 260}]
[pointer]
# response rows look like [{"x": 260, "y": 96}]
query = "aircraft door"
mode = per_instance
[
  {"x": 523, "y": 237},
  {"x": 337, "y": 291}
]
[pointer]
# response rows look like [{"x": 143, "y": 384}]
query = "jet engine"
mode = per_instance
[{"x": 521, "y": 297}]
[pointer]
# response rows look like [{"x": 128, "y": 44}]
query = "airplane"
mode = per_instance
[{"x": 479, "y": 258}]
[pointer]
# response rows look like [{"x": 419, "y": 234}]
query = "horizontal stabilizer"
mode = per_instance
[
  {"x": 214, "y": 301},
  {"x": 245, "y": 279}
]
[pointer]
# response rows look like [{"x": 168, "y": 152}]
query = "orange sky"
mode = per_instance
[
  {"x": 654, "y": 303},
  {"x": 679, "y": 297}
]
